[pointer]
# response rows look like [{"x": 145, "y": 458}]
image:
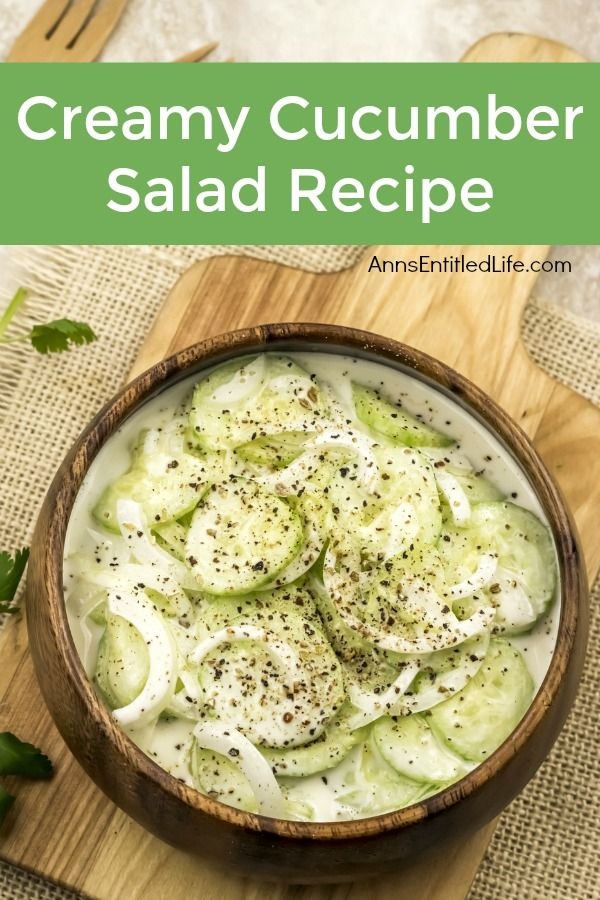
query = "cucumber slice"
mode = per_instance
[
  {"x": 525, "y": 581},
  {"x": 404, "y": 508},
  {"x": 376, "y": 687},
  {"x": 477, "y": 488},
  {"x": 408, "y": 597},
  {"x": 524, "y": 547},
  {"x": 275, "y": 451},
  {"x": 327, "y": 751},
  {"x": 215, "y": 612},
  {"x": 347, "y": 643},
  {"x": 123, "y": 662},
  {"x": 479, "y": 718},
  {"x": 460, "y": 551},
  {"x": 166, "y": 481},
  {"x": 241, "y": 537},
  {"x": 401, "y": 605},
  {"x": 313, "y": 470},
  {"x": 98, "y": 612},
  {"x": 410, "y": 746},
  {"x": 392, "y": 421},
  {"x": 515, "y": 613},
  {"x": 299, "y": 809},
  {"x": 217, "y": 776},
  {"x": 265, "y": 395},
  {"x": 233, "y": 382},
  {"x": 374, "y": 672},
  {"x": 442, "y": 674},
  {"x": 378, "y": 787},
  {"x": 315, "y": 514},
  {"x": 172, "y": 537},
  {"x": 272, "y": 675}
]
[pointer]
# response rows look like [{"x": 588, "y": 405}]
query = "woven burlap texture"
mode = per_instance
[
  {"x": 539, "y": 849},
  {"x": 17, "y": 884},
  {"x": 43, "y": 406}
]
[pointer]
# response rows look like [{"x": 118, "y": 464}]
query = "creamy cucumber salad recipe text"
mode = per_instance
[{"x": 311, "y": 586}]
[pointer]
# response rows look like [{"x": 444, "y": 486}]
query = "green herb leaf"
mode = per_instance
[
  {"x": 59, "y": 335},
  {"x": 19, "y": 758},
  {"x": 11, "y": 310},
  {"x": 11, "y": 571},
  {"x": 6, "y": 801}
]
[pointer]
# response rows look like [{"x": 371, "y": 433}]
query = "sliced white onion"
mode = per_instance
[
  {"x": 399, "y": 525},
  {"x": 306, "y": 558},
  {"x": 340, "y": 400},
  {"x": 188, "y": 701},
  {"x": 513, "y": 606},
  {"x": 371, "y": 706},
  {"x": 86, "y": 634},
  {"x": 163, "y": 444},
  {"x": 458, "y": 501},
  {"x": 359, "y": 444},
  {"x": 281, "y": 652},
  {"x": 243, "y": 384},
  {"x": 162, "y": 654},
  {"x": 315, "y": 535},
  {"x": 451, "y": 632},
  {"x": 190, "y": 683},
  {"x": 231, "y": 744},
  {"x": 292, "y": 479},
  {"x": 423, "y": 601},
  {"x": 445, "y": 682},
  {"x": 483, "y": 574},
  {"x": 144, "y": 548},
  {"x": 91, "y": 603},
  {"x": 136, "y": 577}
]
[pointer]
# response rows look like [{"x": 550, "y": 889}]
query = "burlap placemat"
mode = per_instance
[
  {"x": 546, "y": 846},
  {"x": 118, "y": 290}
]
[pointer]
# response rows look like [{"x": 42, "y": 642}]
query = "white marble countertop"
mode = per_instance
[{"x": 337, "y": 30}]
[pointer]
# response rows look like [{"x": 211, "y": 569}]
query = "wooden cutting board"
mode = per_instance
[{"x": 66, "y": 829}]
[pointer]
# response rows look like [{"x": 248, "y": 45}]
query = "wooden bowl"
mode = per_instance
[{"x": 243, "y": 842}]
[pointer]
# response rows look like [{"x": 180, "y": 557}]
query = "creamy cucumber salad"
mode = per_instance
[{"x": 311, "y": 586}]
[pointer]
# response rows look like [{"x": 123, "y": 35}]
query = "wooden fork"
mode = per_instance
[
  {"x": 67, "y": 31},
  {"x": 199, "y": 54}
]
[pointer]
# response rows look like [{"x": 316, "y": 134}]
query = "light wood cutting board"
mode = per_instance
[{"x": 66, "y": 829}]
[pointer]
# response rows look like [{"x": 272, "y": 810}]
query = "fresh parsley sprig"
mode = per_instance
[
  {"x": 11, "y": 572},
  {"x": 49, "y": 337},
  {"x": 19, "y": 758}
]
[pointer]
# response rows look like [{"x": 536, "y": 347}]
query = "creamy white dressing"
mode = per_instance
[{"x": 167, "y": 742}]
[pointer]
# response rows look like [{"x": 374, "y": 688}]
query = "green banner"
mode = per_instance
[{"x": 300, "y": 153}]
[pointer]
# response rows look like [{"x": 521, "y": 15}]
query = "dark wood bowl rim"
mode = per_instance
[{"x": 328, "y": 338}]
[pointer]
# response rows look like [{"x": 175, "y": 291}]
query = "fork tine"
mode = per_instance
[
  {"x": 48, "y": 15},
  {"x": 39, "y": 25},
  {"x": 73, "y": 21},
  {"x": 98, "y": 29},
  {"x": 197, "y": 55}
]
